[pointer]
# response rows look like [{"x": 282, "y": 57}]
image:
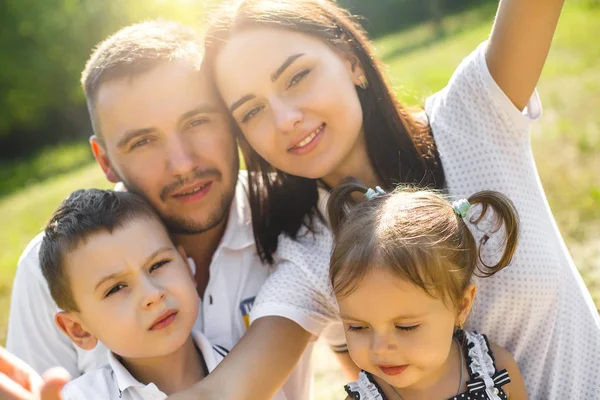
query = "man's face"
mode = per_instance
[{"x": 167, "y": 137}]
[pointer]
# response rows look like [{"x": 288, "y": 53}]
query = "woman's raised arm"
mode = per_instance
[{"x": 519, "y": 44}]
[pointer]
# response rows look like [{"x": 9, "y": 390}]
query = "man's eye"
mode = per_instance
[
  {"x": 197, "y": 122},
  {"x": 298, "y": 77},
  {"x": 158, "y": 264},
  {"x": 115, "y": 289},
  {"x": 140, "y": 143},
  {"x": 250, "y": 114}
]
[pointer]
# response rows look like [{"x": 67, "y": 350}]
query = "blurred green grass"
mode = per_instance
[{"x": 566, "y": 144}]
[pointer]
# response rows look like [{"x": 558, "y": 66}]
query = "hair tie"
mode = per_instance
[
  {"x": 371, "y": 194},
  {"x": 461, "y": 207}
]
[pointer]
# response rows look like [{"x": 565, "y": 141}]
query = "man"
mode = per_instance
[{"x": 161, "y": 130}]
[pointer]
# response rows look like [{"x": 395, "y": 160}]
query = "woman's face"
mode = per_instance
[{"x": 294, "y": 98}]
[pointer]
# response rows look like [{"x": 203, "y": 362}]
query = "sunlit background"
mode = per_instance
[{"x": 44, "y": 124}]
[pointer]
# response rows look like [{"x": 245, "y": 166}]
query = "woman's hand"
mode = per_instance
[
  {"x": 18, "y": 381},
  {"x": 519, "y": 45}
]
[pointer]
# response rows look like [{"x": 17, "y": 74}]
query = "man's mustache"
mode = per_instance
[{"x": 195, "y": 176}]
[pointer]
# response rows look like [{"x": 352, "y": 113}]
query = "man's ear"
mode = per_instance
[
  {"x": 466, "y": 304},
  {"x": 102, "y": 158},
  {"x": 71, "y": 326}
]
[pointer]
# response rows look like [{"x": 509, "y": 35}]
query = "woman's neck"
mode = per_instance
[
  {"x": 170, "y": 373},
  {"x": 357, "y": 165}
]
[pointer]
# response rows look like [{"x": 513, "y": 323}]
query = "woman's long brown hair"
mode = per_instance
[{"x": 400, "y": 148}]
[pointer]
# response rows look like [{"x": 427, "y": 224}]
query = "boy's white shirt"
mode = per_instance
[
  {"x": 114, "y": 381},
  {"x": 236, "y": 277}
]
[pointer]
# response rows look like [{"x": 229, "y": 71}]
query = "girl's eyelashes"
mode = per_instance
[
  {"x": 299, "y": 76},
  {"x": 408, "y": 328},
  {"x": 355, "y": 328}
]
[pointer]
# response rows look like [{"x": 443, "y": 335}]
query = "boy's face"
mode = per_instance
[{"x": 134, "y": 290}]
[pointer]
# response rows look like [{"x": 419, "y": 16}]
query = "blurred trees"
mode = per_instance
[{"x": 45, "y": 43}]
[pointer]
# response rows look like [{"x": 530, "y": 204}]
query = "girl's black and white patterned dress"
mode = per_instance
[{"x": 485, "y": 381}]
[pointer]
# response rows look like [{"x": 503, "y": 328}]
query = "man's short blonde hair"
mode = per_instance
[{"x": 134, "y": 50}]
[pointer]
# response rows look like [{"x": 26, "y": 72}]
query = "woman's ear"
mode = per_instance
[
  {"x": 353, "y": 66},
  {"x": 71, "y": 326},
  {"x": 465, "y": 304}
]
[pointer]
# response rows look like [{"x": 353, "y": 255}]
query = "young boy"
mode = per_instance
[{"x": 112, "y": 268}]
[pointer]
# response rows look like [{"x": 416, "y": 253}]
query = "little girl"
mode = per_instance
[{"x": 401, "y": 270}]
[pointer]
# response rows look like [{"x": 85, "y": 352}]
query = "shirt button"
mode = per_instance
[{"x": 495, "y": 391}]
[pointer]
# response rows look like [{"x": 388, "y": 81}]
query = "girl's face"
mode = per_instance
[
  {"x": 294, "y": 98},
  {"x": 397, "y": 332}
]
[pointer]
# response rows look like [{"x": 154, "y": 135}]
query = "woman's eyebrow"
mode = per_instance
[{"x": 275, "y": 75}]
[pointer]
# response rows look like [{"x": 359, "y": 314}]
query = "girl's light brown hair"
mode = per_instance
[
  {"x": 400, "y": 148},
  {"x": 417, "y": 235}
]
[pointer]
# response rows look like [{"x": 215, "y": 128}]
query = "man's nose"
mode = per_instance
[{"x": 180, "y": 155}]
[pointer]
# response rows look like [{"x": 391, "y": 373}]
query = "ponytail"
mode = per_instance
[
  {"x": 341, "y": 202},
  {"x": 505, "y": 215}
]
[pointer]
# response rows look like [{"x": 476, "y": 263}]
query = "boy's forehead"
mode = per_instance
[{"x": 106, "y": 252}]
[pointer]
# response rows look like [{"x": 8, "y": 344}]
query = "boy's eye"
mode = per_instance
[
  {"x": 356, "y": 328},
  {"x": 158, "y": 264},
  {"x": 298, "y": 77},
  {"x": 408, "y": 328},
  {"x": 115, "y": 289},
  {"x": 251, "y": 113}
]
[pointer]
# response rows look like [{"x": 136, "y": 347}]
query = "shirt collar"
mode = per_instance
[
  {"x": 126, "y": 381},
  {"x": 123, "y": 377}
]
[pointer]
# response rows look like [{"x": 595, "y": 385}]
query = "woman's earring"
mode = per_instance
[
  {"x": 363, "y": 82},
  {"x": 459, "y": 325}
]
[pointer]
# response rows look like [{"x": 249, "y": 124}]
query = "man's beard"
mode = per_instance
[{"x": 186, "y": 226}]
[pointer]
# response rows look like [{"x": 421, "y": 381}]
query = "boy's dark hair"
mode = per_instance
[
  {"x": 134, "y": 50},
  {"x": 83, "y": 213}
]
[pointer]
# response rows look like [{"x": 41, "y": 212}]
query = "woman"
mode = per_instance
[{"x": 312, "y": 106}]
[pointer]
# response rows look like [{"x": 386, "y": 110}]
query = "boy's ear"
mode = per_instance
[
  {"x": 466, "y": 304},
  {"x": 70, "y": 325}
]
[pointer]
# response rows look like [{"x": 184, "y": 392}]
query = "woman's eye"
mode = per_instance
[
  {"x": 250, "y": 114},
  {"x": 158, "y": 264},
  {"x": 298, "y": 77},
  {"x": 356, "y": 328},
  {"x": 408, "y": 328},
  {"x": 115, "y": 289}
]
